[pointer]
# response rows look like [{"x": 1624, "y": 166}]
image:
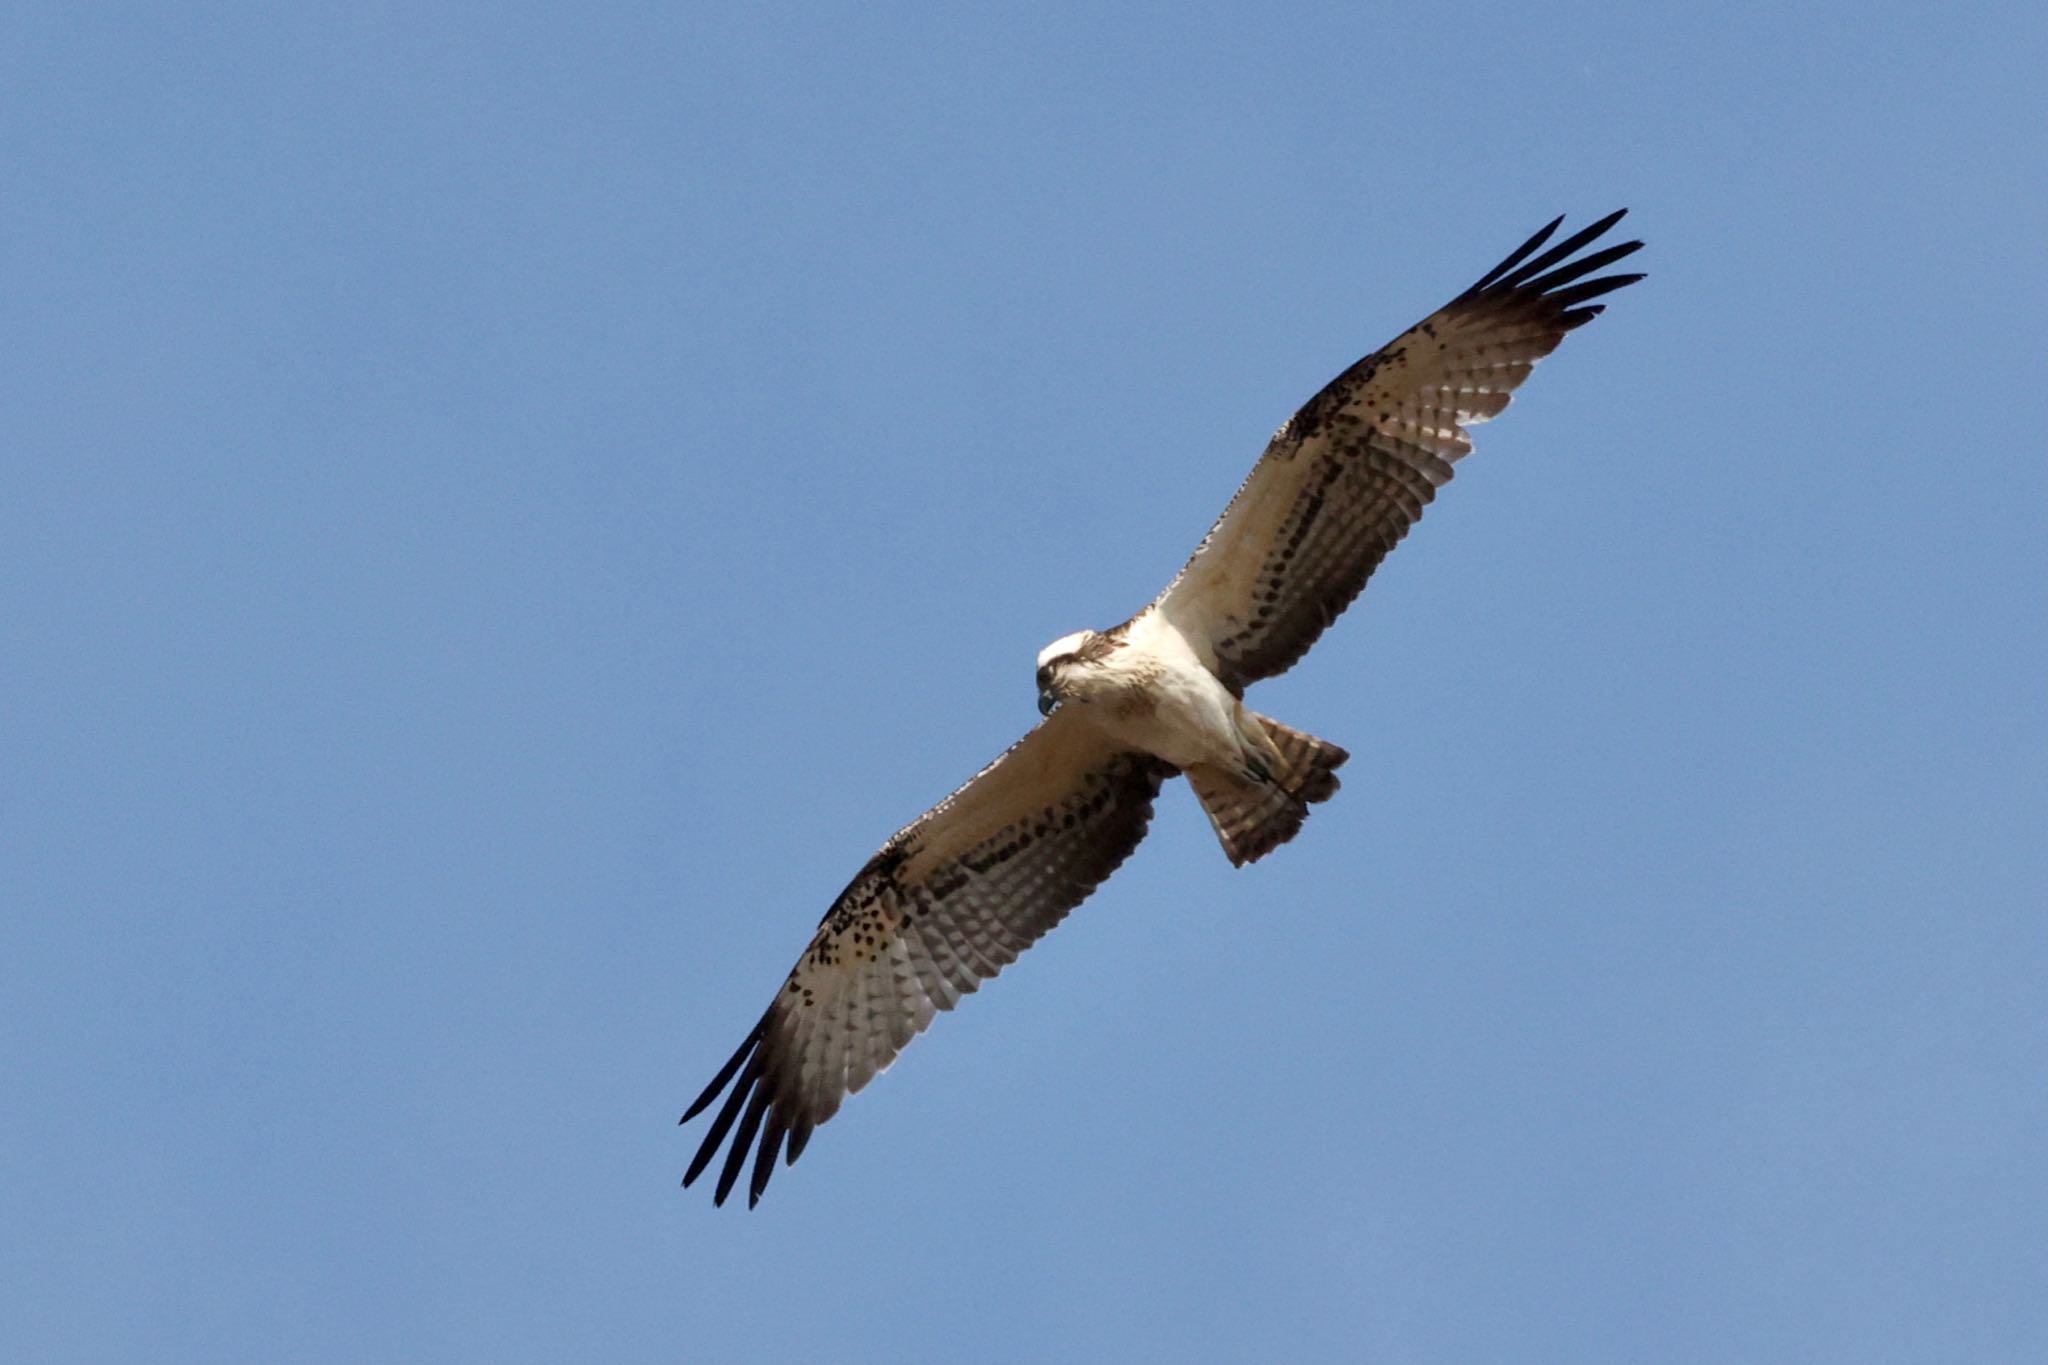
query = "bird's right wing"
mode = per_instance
[
  {"x": 947, "y": 903},
  {"x": 1347, "y": 476}
]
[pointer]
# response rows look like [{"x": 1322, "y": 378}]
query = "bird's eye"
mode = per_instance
[{"x": 1045, "y": 675}]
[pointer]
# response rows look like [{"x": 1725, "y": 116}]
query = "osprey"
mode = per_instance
[{"x": 956, "y": 895}]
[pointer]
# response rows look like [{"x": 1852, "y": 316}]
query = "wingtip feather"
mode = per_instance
[
  {"x": 1515, "y": 257},
  {"x": 742, "y": 1143},
  {"x": 725, "y": 1074}
]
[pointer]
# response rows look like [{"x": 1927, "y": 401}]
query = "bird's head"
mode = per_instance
[{"x": 1056, "y": 662}]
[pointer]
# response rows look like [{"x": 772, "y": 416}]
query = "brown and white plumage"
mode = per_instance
[
  {"x": 946, "y": 904},
  {"x": 1345, "y": 478},
  {"x": 956, "y": 896}
]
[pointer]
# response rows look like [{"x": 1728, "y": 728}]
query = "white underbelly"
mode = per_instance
[{"x": 1183, "y": 715}]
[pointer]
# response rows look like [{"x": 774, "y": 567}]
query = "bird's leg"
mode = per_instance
[{"x": 1255, "y": 752}]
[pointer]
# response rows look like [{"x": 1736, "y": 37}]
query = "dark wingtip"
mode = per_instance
[
  {"x": 1520, "y": 253},
  {"x": 746, "y": 1095},
  {"x": 725, "y": 1074},
  {"x": 1527, "y": 272},
  {"x": 742, "y": 1142}
]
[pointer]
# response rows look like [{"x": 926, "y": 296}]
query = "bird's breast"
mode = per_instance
[{"x": 1173, "y": 708}]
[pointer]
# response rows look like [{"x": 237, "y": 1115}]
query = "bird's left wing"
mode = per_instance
[
  {"x": 1351, "y": 472},
  {"x": 946, "y": 904}
]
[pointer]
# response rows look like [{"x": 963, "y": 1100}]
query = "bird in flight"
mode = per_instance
[{"x": 956, "y": 895}]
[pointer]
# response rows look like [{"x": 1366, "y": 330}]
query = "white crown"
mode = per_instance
[{"x": 1066, "y": 644}]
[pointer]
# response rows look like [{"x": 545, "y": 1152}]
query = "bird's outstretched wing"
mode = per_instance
[
  {"x": 1347, "y": 476},
  {"x": 947, "y": 903}
]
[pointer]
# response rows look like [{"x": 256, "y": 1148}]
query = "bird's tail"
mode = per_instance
[{"x": 1254, "y": 816}]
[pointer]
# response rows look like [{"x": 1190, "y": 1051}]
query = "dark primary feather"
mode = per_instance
[{"x": 1498, "y": 281}]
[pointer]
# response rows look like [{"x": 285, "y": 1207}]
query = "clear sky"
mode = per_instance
[{"x": 505, "y": 508}]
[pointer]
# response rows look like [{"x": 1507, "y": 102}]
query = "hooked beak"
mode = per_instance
[{"x": 1046, "y": 701}]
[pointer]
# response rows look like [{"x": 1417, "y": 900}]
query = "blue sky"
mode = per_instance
[{"x": 506, "y": 508}]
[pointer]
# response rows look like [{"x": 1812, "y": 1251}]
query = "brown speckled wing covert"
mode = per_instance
[
  {"x": 1342, "y": 482},
  {"x": 946, "y": 904}
]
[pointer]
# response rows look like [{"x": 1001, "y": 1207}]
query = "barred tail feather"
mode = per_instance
[
  {"x": 1253, "y": 818},
  {"x": 1308, "y": 766}
]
